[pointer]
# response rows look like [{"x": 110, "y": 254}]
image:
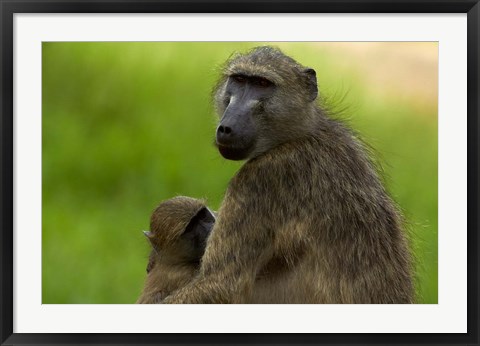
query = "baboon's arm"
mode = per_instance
[
  {"x": 241, "y": 242},
  {"x": 234, "y": 254}
]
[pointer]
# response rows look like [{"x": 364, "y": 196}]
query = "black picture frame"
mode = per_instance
[{"x": 10, "y": 7}]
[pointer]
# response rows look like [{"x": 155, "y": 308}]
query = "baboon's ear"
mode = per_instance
[
  {"x": 311, "y": 78},
  {"x": 149, "y": 236}
]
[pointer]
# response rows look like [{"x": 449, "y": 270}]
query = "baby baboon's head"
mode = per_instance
[{"x": 179, "y": 228}]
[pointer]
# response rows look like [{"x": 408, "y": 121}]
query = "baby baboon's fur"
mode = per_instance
[
  {"x": 179, "y": 228},
  {"x": 306, "y": 219}
]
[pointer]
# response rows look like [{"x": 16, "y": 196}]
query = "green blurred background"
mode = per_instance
[{"x": 126, "y": 125}]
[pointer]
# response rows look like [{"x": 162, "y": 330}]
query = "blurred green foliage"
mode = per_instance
[{"x": 126, "y": 125}]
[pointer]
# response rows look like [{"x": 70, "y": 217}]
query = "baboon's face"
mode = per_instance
[
  {"x": 262, "y": 100},
  {"x": 189, "y": 247},
  {"x": 191, "y": 244},
  {"x": 244, "y": 99}
]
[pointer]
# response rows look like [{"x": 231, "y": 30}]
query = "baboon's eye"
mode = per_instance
[
  {"x": 239, "y": 78},
  {"x": 262, "y": 82}
]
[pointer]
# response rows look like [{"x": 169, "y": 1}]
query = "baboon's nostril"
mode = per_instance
[{"x": 224, "y": 130}]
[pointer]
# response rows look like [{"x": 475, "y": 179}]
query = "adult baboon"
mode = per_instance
[
  {"x": 306, "y": 219},
  {"x": 179, "y": 228}
]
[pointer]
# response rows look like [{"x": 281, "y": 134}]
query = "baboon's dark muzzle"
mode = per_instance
[
  {"x": 236, "y": 132},
  {"x": 226, "y": 135},
  {"x": 234, "y": 128},
  {"x": 234, "y": 143}
]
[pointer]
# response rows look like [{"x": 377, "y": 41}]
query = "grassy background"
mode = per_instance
[{"x": 126, "y": 125}]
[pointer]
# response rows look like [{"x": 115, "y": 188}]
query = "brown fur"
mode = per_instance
[
  {"x": 306, "y": 219},
  {"x": 172, "y": 262}
]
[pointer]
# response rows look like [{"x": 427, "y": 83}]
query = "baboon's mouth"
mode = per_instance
[{"x": 233, "y": 153}]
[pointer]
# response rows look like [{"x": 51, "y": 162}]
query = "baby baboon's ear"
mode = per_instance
[
  {"x": 151, "y": 259},
  {"x": 151, "y": 238},
  {"x": 149, "y": 235},
  {"x": 311, "y": 78}
]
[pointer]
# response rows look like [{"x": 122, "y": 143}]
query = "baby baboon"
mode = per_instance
[
  {"x": 306, "y": 219},
  {"x": 179, "y": 228}
]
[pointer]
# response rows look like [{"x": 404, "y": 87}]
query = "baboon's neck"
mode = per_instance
[
  {"x": 311, "y": 123},
  {"x": 315, "y": 120}
]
